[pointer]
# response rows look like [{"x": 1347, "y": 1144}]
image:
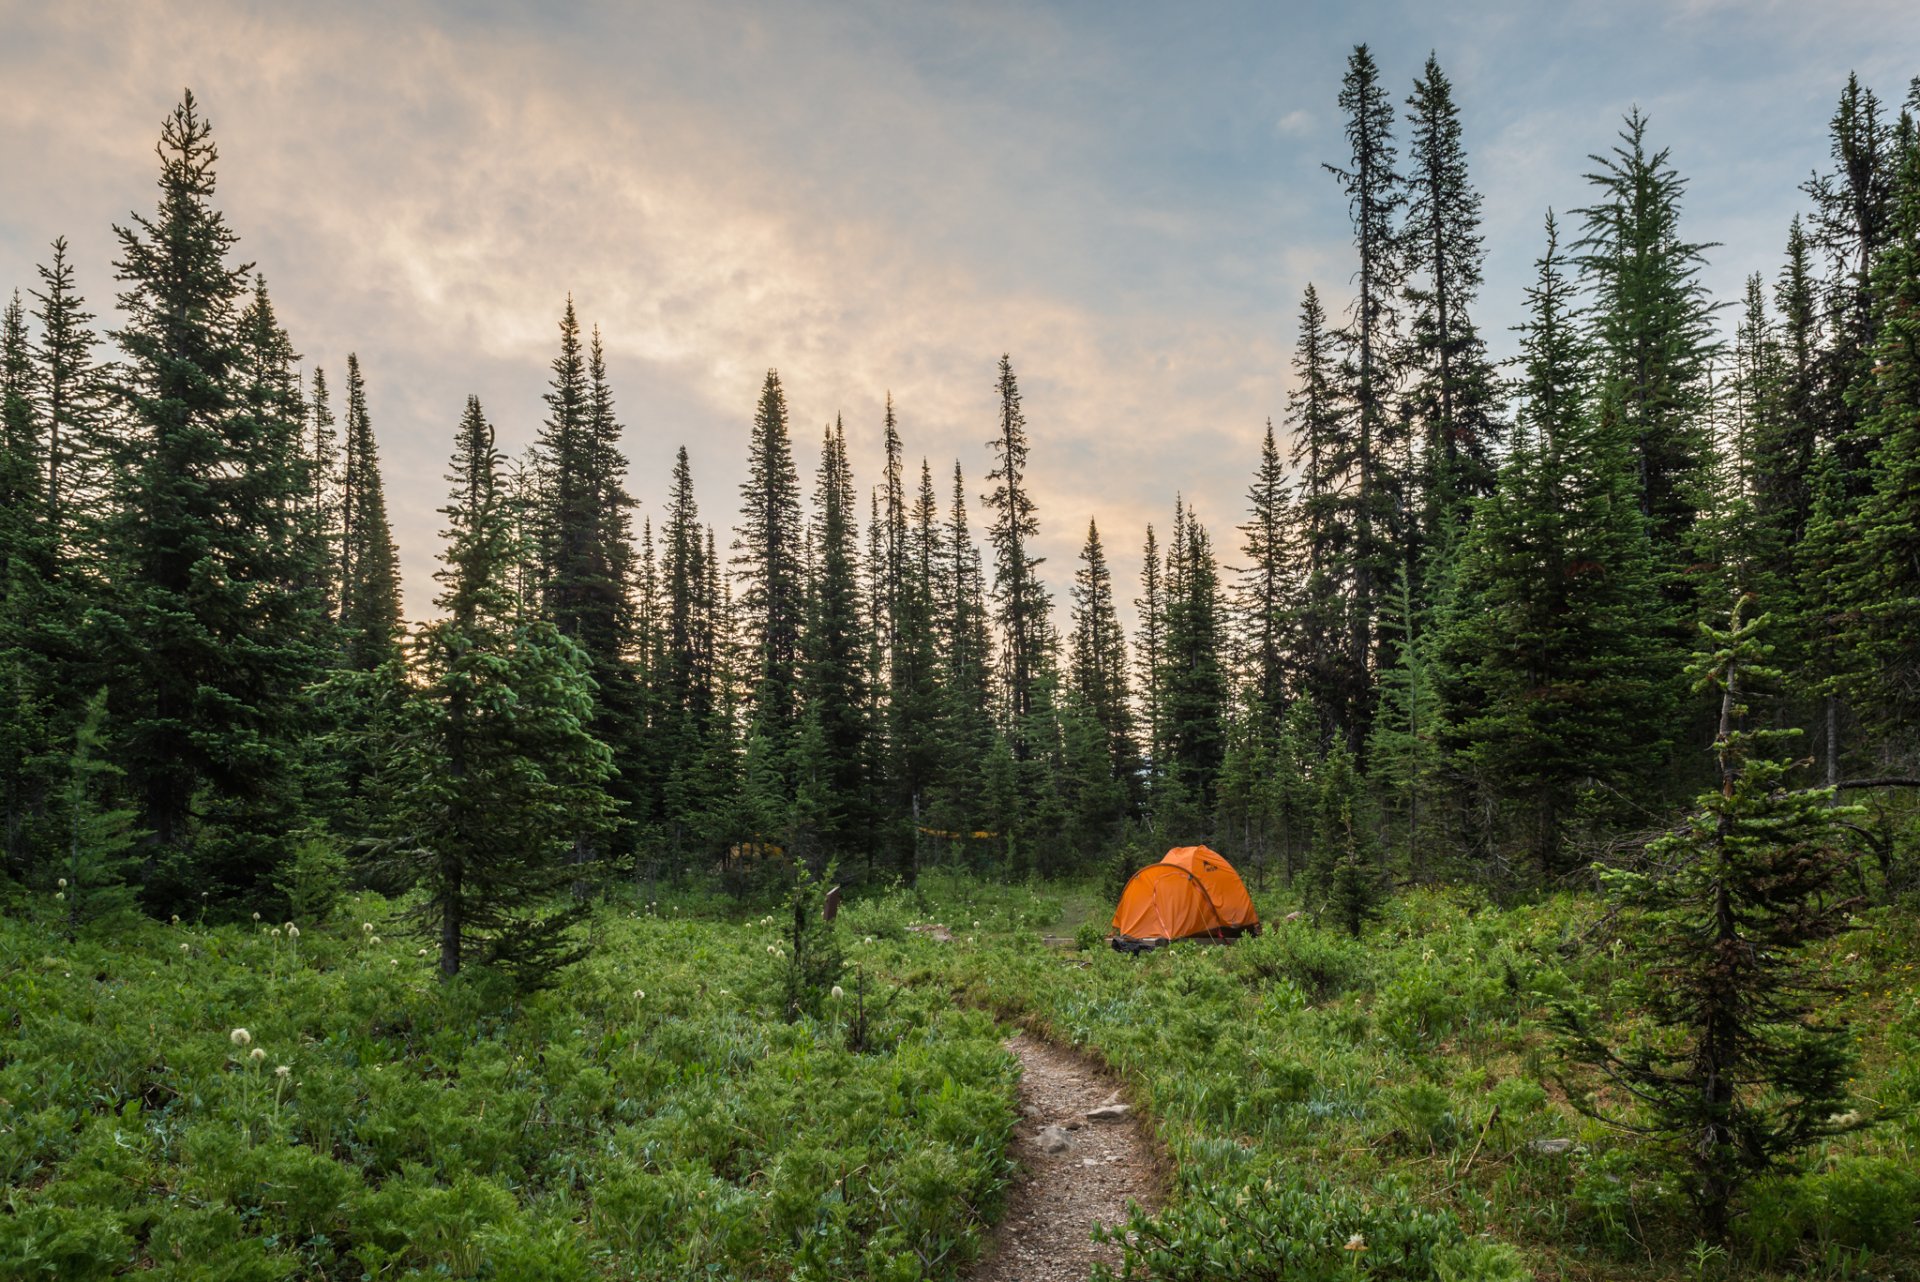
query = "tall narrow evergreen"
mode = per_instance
[
  {"x": 1454, "y": 391},
  {"x": 1025, "y": 631},
  {"x": 1375, "y": 193},
  {"x": 1332, "y": 675},
  {"x": 1194, "y": 688},
  {"x": 68, "y": 390},
  {"x": 768, "y": 560},
  {"x": 323, "y": 449},
  {"x": 1653, "y": 324},
  {"x": 834, "y": 676},
  {"x": 1097, "y": 661},
  {"x": 1149, "y": 655},
  {"x": 369, "y": 563},
  {"x": 1269, "y": 587}
]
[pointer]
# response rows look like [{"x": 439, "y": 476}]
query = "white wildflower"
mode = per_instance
[
  {"x": 240, "y": 1037},
  {"x": 838, "y": 992},
  {"x": 282, "y": 1071},
  {"x": 257, "y": 1055},
  {"x": 293, "y": 931},
  {"x": 62, "y": 883},
  {"x": 639, "y": 994}
]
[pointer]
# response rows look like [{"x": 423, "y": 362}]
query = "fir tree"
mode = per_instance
[
  {"x": 966, "y": 731},
  {"x": 1404, "y": 749},
  {"x": 69, "y": 412},
  {"x": 492, "y": 775},
  {"x": 1741, "y": 1068}
]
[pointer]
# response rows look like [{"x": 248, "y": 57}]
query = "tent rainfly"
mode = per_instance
[{"x": 1192, "y": 892}]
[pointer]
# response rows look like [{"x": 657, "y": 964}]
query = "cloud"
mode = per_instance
[{"x": 1297, "y": 123}]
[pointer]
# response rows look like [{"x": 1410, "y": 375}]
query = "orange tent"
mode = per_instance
[{"x": 1193, "y": 891}]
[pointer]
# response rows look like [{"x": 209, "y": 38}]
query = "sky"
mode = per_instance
[{"x": 878, "y": 197}]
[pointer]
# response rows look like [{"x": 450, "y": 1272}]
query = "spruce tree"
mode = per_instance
[
  {"x": 1404, "y": 748},
  {"x": 1025, "y": 630},
  {"x": 834, "y": 681},
  {"x": 369, "y": 563},
  {"x": 1321, "y": 449},
  {"x": 966, "y": 730},
  {"x": 1195, "y": 682},
  {"x": 1740, "y": 1067},
  {"x": 1097, "y": 664},
  {"x": 69, "y": 389},
  {"x": 1654, "y": 328},
  {"x": 1375, "y": 193},
  {"x": 1269, "y": 587},
  {"x": 492, "y": 773},
  {"x": 768, "y": 560},
  {"x": 1880, "y": 578},
  {"x": 1149, "y": 657},
  {"x": 1346, "y": 874},
  {"x": 1453, "y": 392},
  {"x": 1559, "y": 692},
  {"x": 200, "y": 695}
]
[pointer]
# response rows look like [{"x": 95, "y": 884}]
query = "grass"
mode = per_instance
[
  {"x": 1390, "y": 1107},
  {"x": 650, "y": 1117}
]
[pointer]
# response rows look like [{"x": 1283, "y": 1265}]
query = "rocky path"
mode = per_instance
[{"x": 1082, "y": 1157}]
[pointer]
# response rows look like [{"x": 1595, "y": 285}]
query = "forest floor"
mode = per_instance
[{"x": 1075, "y": 1172}]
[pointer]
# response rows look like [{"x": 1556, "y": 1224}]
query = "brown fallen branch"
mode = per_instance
[{"x": 1886, "y": 781}]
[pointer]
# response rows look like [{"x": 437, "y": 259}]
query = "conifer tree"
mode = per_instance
[
  {"x": 1321, "y": 450},
  {"x": 1454, "y": 391},
  {"x": 914, "y": 693},
  {"x": 369, "y": 563},
  {"x": 69, "y": 412},
  {"x": 834, "y": 678},
  {"x": 1741, "y": 1068},
  {"x": 1149, "y": 656},
  {"x": 1881, "y": 576},
  {"x": 1347, "y": 881},
  {"x": 1195, "y": 681},
  {"x": 1097, "y": 663},
  {"x": 25, "y": 710},
  {"x": 1025, "y": 631},
  {"x": 199, "y": 691},
  {"x": 768, "y": 560},
  {"x": 966, "y": 731},
  {"x": 1559, "y": 686},
  {"x": 1375, "y": 193},
  {"x": 1653, "y": 326},
  {"x": 492, "y": 774},
  {"x": 1404, "y": 749},
  {"x": 1270, "y": 586},
  {"x": 323, "y": 451}
]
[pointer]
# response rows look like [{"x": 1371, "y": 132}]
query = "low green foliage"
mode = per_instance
[{"x": 655, "y": 1116}]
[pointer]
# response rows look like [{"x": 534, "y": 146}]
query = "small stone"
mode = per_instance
[
  {"x": 1108, "y": 1112},
  {"x": 1087, "y": 1161},
  {"x": 1052, "y": 1139},
  {"x": 1552, "y": 1148}
]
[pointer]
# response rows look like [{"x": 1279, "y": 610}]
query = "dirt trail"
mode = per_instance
[{"x": 1074, "y": 1172}]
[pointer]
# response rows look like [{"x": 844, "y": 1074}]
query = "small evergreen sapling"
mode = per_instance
[{"x": 1734, "y": 1067}]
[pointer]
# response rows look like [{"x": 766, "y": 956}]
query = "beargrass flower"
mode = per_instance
[
  {"x": 184, "y": 948},
  {"x": 366, "y": 928},
  {"x": 293, "y": 931},
  {"x": 838, "y": 992},
  {"x": 1356, "y": 1243},
  {"x": 62, "y": 883},
  {"x": 257, "y": 1055},
  {"x": 282, "y": 1071},
  {"x": 240, "y": 1037},
  {"x": 60, "y": 894},
  {"x": 639, "y": 994}
]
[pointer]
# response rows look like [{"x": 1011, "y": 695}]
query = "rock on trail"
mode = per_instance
[{"x": 1072, "y": 1173}]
